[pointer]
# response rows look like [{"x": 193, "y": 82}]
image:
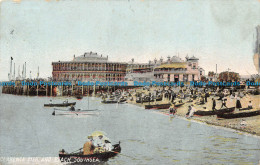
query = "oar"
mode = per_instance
[
  {"x": 90, "y": 110},
  {"x": 60, "y": 109}
]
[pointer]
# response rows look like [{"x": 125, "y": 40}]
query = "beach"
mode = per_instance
[{"x": 252, "y": 123}]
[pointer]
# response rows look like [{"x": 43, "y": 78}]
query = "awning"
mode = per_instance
[{"x": 173, "y": 65}]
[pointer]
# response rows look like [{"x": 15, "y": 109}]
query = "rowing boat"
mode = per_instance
[
  {"x": 60, "y": 105},
  {"x": 209, "y": 113},
  {"x": 113, "y": 101},
  {"x": 79, "y": 97},
  {"x": 77, "y": 112},
  {"x": 79, "y": 158},
  {"x": 178, "y": 105},
  {"x": 158, "y": 106},
  {"x": 239, "y": 115}
]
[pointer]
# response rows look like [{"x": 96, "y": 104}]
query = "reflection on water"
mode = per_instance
[{"x": 29, "y": 129}]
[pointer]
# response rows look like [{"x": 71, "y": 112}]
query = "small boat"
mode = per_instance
[
  {"x": 79, "y": 97},
  {"x": 158, "y": 106},
  {"x": 109, "y": 101},
  {"x": 239, "y": 115},
  {"x": 113, "y": 101},
  {"x": 144, "y": 100},
  {"x": 68, "y": 112},
  {"x": 178, "y": 105},
  {"x": 209, "y": 113},
  {"x": 60, "y": 105},
  {"x": 79, "y": 158},
  {"x": 244, "y": 109}
]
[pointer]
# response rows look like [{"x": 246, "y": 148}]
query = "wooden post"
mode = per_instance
[
  {"x": 28, "y": 88},
  {"x": 62, "y": 90},
  {"x": 46, "y": 90},
  {"x": 82, "y": 92},
  {"x": 51, "y": 90},
  {"x": 94, "y": 90},
  {"x": 37, "y": 90}
]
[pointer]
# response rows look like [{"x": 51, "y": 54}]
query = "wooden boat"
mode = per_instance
[
  {"x": 178, "y": 105},
  {"x": 239, "y": 115},
  {"x": 79, "y": 97},
  {"x": 113, "y": 101},
  {"x": 68, "y": 112},
  {"x": 158, "y": 106},
  {"x": 145, "y": 100},
  {"x": 244, "y": 109},
  {"x": 209, "y": 113},
  {"x": 60, "y": 105},
  {"x": 79, "y": 158}
]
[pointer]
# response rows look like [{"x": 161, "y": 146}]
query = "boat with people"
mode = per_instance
[
  {"x": 210, "y": 113},
  {"x": 96, "y": 150},
  {"x": 64, "y": 104},
  {"x": 239, "y": 114},
  {"x": 76, "y": 112},
  {"x": 157, "y": 106},
  {"x": 72, "y": 111}
]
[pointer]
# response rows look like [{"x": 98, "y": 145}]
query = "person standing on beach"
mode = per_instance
[
  {"x": 223, "y": 103},
  {"x": 213, "y": 104},
  {"x": 238, "y": 103},
  {"x": 191, "y": 112},
  {"x": 250, "y": 106}
]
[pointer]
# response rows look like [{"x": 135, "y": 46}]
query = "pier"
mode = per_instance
[{"x": 33, "y": 88}]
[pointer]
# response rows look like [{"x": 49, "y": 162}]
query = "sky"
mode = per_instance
[{"x": 43, "y": 31}]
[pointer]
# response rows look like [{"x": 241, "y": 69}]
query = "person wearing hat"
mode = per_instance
[
  {"x": 88, "y": 147},
  {"x": 99, "y": 142},
  {"x": 107, "y": 145}
]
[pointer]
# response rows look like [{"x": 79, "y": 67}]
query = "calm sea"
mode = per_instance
[{"x": 27, "y": 129}]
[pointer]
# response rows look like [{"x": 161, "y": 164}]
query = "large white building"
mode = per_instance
[{"x": 174, "y": 69}]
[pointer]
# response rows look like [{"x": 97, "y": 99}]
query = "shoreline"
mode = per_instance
[
  {"x": 231, "y": 124},
  {"x": 197, "y": 120},
  {"x": 208, "y": 120}
]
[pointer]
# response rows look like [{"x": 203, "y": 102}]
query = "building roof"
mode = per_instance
[
  {"x": 176, "y": 59},
  {"x": 91, "y": 57},
  {"x": 173, "y": 65},
  {"x": 193, "y": 58}
]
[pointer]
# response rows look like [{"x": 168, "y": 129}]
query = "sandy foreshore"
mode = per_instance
[{"x": 252, "y": 123}]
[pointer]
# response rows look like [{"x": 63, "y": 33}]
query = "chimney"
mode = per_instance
[
  {"x": 187, "y": 57},
  {"x": 161, "y": 60},
  {"x": 168, "y": 59}
]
